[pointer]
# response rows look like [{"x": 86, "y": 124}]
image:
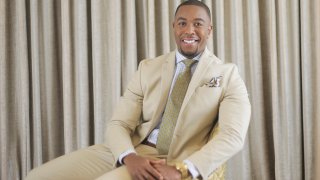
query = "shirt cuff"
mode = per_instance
[
  {"x": 123, "y": 155},
  {"x": 192, "y": 169}
]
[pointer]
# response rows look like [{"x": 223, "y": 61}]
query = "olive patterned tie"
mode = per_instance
[{"x": 173, "y": 107}]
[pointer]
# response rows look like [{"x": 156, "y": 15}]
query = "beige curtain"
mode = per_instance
[{"x": 65, "y": 63}]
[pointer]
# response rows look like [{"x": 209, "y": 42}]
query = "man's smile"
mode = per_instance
[{"x": 189, "y": 41}]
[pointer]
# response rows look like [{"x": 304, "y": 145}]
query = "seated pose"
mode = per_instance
[{"x": 182, "y": 116}]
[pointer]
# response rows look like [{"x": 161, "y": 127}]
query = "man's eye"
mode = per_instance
[
  {"x": 181, "y": 23},
  {"x": 197, "y": 24}
]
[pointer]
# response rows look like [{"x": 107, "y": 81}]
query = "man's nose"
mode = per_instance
[{"x": 190, "y": 29}]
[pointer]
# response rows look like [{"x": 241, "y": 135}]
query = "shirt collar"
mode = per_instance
[{"x": 180, "y": 57}]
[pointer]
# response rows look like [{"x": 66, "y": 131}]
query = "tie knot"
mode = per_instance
[{"x": 188, "y": 62}]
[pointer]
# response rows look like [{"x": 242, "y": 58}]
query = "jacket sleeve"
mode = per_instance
[
  {"x": 126, "y": 117},
  {"x": 233, "y": 120}
]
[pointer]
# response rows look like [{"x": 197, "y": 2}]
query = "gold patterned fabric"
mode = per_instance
[
  {"x": 219, "y": 173},
  {"x": 173, "y": 107}
]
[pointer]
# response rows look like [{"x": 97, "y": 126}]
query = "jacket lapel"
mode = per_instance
[
  {"x": 205, "y": 61},
  {"x": 166, "y": 80}
]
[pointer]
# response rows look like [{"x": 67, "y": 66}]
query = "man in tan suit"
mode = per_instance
[{"x": 178, "y": 119}]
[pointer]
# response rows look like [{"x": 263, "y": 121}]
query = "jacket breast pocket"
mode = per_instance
[{"x": 209, "y": 95}]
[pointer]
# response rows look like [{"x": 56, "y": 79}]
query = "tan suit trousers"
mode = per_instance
[{"x": 94, "y": 162}]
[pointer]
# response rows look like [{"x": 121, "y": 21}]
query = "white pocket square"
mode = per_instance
[{"x": 214, "y": 82}]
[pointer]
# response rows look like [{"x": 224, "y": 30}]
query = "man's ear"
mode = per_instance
[{"x": 210, "y": 29}]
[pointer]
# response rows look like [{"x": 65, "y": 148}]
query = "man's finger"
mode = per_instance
[
  {"x": 154, "y": 173},
  {"x": 159, "y": 161}
]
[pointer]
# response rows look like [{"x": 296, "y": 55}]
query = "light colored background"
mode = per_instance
[{"x": 64, "y": 65}]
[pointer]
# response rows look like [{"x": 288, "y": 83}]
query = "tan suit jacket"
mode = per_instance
[{"x": 141, "y": 107}]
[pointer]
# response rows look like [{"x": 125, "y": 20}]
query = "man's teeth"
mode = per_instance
[{"x": 189, "y": 41}]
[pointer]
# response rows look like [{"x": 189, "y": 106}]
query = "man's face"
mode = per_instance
[{"x": 192, "y": 27}]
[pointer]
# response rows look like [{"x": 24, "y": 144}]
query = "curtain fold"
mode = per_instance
[
  {"x": 310, "y": 76},
  {"x": 64, "y": 65}
]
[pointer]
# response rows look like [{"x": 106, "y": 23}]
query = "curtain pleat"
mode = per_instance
[
  {"x": 64, "y": 65},
  {"x": 287, "y": 119},
  {"x": 14, "y": 134},
  {"x": 310, "y": 81},
  {"x": 106, "y": 59}
]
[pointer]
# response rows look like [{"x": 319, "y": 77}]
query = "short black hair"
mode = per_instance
[{"x": 196, "y": 3}]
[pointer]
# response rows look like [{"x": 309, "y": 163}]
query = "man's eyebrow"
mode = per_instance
[
  {"x": 181, "y": 18},
  {"x": 199, "y": 19},
  {"x": 184, "y": 19}
]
